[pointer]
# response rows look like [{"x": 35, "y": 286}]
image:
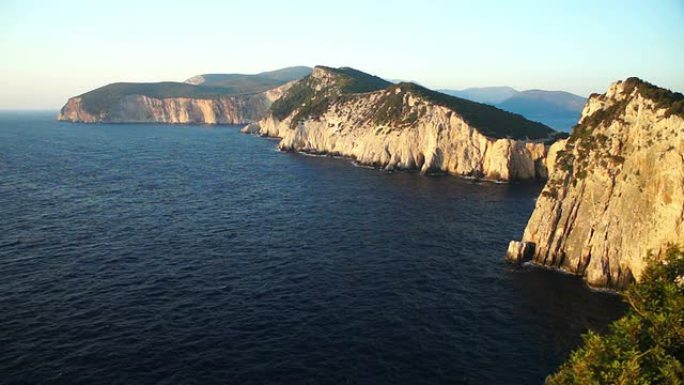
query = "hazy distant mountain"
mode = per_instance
[
  {"x": 488, "y": 95},
  {"x": 260, "y": 81},
  {"x": 558, "y": 109},
  {"x": 549, "y": 102},
  {"x": 287, "y": 74}
]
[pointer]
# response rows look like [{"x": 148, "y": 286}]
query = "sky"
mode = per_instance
[{"x": 51, "y": 50}]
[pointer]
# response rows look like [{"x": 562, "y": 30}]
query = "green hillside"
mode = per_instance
[
  {"x": 354, "y": 81},
  {"x": 305, "y": 101},
  {"x": 489, "y": 120},
  {"x": 259, "y": 82},
  {"x": 214, "y": 85},
  {"x": 99, "y": 100}
]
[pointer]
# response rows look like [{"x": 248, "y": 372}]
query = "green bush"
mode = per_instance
[
  {"x": 646, "y": 345},
  {"x": 353, "y": 81}
]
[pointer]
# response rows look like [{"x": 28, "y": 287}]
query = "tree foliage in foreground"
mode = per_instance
[{"x": 646, "y": 345}]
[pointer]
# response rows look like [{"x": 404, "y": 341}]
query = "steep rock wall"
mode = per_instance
[
  {"x": 616, "y": 192},
  {"x": 235, "y": 109},
  {"x": 436, "y": 140}
]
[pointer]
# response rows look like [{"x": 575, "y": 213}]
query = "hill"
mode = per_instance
[
  {"x": 258, "y": 82},
  {"x": 343, "y": 111},
  {"x": 212, "y": 98},
  {"x": 558, "y": 109},
  {"x": 489, "y": 120}
]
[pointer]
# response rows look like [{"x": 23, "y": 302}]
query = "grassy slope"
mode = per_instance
[
  {"x": 304, "y": 101},
  {"x": 491, "y": 121},
  {"x": 263, "y": 80},
  {"x": 488, "y": 95},
  {"x": 237, "y": 81},
  {"x": 99, "y": 100}
]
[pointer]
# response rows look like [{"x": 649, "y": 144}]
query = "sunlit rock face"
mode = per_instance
[
  {"x": 423, "y": 135},
  {"x": 616, "y": 190},
  {"x": 234, "y": 109}
]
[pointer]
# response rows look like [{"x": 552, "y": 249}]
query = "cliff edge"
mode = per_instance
[
  {"x": 616, "y": 192},
  {"x": 345, "y": 112},
  {"x": 202, "y": 99},
  {"x": 204, "y": 107}
]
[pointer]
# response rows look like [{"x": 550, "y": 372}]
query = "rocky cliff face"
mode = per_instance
[
  {"x": 397, "y": 127},
  {"x": 234, "y": 109},
  {"x": 616, "y": 192}
]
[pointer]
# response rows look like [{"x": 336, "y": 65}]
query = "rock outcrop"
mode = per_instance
[
  {"x": 139, "y": 108},
  {"x": 404, "y": 126},
  {"x": 616, "y": 192}
]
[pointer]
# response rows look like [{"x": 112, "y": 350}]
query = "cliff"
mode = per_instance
[
  {"x": 204, "y": 109},
  {"x": 196, "y": 109},
  {"x": 203, "y": 99},
  {"x": 616, "y": 192},
  {"x": 348, "y": 113}
]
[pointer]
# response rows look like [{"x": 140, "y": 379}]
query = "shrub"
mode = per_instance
[{"x": 646, "y": 345}]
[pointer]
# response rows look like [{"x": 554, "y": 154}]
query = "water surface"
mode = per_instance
[{"x": 156, "y": 254}]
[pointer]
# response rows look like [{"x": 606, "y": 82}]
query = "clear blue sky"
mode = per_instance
[{"x": 55, "y": 49}]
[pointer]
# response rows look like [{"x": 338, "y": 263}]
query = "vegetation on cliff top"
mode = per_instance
[
  {"x": 213, "y": 86},
  {"x": 587, "y": 148},
  {"x": 304, "y": 101},
  {"x": 489, "y": 120},
  {"x": 101, "y": 99},
  {"x": 268, "y": 79},
  {"x": 672, "y": 102},
  {"x": 645, "y": 346},
  {"x": 352, "y": 81}
]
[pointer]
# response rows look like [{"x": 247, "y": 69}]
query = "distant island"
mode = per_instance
[
  {"x": 343, "y": 111},
  {"x": 202, "y": 99},
  {"x": 339, "y": 111}
]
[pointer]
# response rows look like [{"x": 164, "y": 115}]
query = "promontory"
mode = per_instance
[
  {"x": 615, "y": 192},
  {"x": 346, "y": 112},
  {"x": 202, "y": 99}
]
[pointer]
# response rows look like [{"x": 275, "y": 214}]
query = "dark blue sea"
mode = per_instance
[{"x": 157, "y": 254}]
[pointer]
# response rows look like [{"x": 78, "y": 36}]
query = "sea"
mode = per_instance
[{"x": 179, "y": 254}]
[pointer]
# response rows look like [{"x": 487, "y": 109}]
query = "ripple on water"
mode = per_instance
[{"x": 180, "y": 254}]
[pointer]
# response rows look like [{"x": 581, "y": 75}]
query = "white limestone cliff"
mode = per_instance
[
  {"x": 616, "y": 193},
  {"x": 234, "y": 109},
  {"x": 434, "y": 139}
]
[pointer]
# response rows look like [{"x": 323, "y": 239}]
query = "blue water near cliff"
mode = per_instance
[{"x": 159, "y": 254}]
